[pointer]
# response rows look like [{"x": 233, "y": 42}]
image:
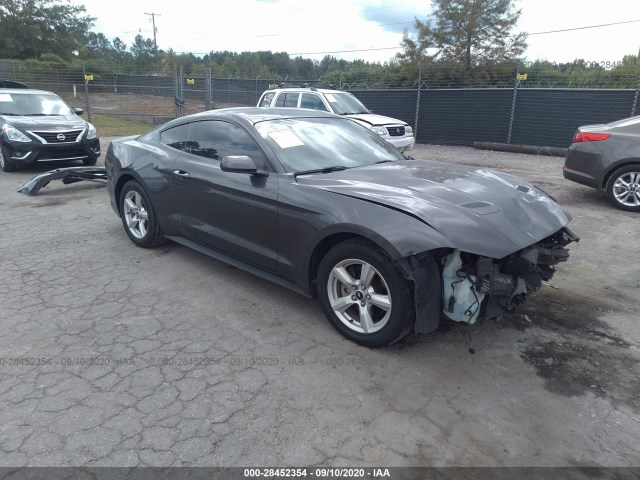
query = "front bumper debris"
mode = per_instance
[{"x": 67, "y": 175}]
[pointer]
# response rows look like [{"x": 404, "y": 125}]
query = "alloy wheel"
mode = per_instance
[
  {"x": 626, "y": 189},
  {"x": 136, "y": 214},
  {"x": 359, "y": 296}
]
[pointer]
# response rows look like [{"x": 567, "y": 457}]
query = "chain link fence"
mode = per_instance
[{"x": 443, "y": 105}]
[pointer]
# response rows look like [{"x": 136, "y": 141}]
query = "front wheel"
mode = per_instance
[
  {"x": 623, "y": 188},
  {"x": 5, "y": 160},
  {"x": 89, "y": 162},
  {"x": 364, "y": 295},
  {"x": 138, "y": 216}
]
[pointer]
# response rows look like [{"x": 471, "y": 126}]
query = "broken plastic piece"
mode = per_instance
[{"x": 67, "y": 175}]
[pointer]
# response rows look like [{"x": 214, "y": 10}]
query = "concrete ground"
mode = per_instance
[{"x": 114, "y": 355}]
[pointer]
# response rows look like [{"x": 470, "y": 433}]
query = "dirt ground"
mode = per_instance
[{"x": 168, "y": 358}]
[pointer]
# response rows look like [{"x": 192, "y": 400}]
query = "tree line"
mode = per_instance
[{"x": 464, "y": 43}]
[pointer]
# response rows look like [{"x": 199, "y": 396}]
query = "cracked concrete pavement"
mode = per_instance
[{"x": 112, "y": 355}]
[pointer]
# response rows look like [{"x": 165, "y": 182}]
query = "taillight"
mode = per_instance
[{"x": 589, "y": 137}]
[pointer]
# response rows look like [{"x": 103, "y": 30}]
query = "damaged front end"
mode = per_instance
[{"x": 474, "y": 286}]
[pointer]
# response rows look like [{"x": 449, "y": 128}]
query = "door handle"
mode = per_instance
[{"x": 182, "y": 173}]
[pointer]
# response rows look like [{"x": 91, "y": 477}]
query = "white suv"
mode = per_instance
[{"x": 396, "y": 132}]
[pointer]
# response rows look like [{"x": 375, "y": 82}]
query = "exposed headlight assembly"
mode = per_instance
[{"x": 379, "y": 130}]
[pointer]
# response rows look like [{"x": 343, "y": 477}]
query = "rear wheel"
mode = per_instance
[
  {"x": 89, "y": 162},
  {"x": 5, "y": 160},
  {"x": 623, "y": 188},
  {"x": 364, "y": 295},
  {"x": 138, "y": 216}
]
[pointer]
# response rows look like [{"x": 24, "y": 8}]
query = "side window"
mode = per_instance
[
  {"x": 287, "y": 99},
  {"x": 291, "y": 100},
  {"x": 175, "y": 137},
  {"x": 216, "y": 139},
  {"x": 313, "y": 101},
  {"x": 266, "y": 99}
]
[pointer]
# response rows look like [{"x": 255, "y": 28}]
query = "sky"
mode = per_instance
[{"x": 357, "y": 29}]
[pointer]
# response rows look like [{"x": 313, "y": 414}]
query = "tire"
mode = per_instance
[
  {"x": 138, "y": 216},
  {"x": 89, "y": 162},
  {"x": 623, "y": 188},
  {"x": 5, "y": 160},
  {"x": 382, "y": 312}
]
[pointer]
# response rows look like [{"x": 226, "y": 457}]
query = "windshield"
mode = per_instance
[
  {"x": 315, "y": 143},
  {"x": 32, "y": 104},
  {"x": 345, "y": 104}
]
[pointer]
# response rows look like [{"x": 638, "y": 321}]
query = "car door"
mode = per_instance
[{"x": 232, "y": 212}]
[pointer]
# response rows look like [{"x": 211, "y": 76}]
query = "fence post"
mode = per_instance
[
  {"x": 255, "y": 100},
  {"x": 86, "y": 93},
  {"x": 176, "y": 90},
  {"x": 207, "y": 93},
  {"x": 513, "y": 108},
  {"x": 415, "y": 126},
  {"x": 635, "y": 99},
  {"x": 179, "y": 93}
]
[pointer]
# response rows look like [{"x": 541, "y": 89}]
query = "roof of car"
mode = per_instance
[
  {"x": 261, "y": 114},
  {"x": 21, "y": 91},
  {"x": 305, "y": 89},
  {"x": 12, "y": 84}
]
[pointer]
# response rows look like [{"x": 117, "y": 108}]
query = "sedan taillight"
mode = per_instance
[{"x": 589, "y": 137}]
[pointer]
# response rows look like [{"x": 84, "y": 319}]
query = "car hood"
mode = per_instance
[
  {"x": 476, "y": 210},
  {"x": 53, "y": 122},
  {"x": 376, "y": 120}
]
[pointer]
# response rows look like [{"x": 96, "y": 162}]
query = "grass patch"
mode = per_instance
[{"x": 114, "y": 126}]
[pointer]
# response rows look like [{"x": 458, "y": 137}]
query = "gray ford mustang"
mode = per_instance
[{"x": 323, "y": 206}]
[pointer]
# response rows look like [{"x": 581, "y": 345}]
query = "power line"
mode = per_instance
[
  {"x": 383, "y": 8},
  {"x": 395, "y": 23},
  {"x": 528, "y": 34},
  {"x": 399, "y": 47},
  {"x": 345, "y": 51},
  {"x": 582, "y": 28},
  {"x": 244, "y": 36}
]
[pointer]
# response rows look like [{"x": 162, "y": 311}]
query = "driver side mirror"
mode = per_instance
[
  {"x": 78, "y": 111},
  {"x": 241, "y": 164}
]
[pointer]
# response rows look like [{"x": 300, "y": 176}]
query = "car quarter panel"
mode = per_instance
[
  {"x": 584, "y": 164},
  {"x": 591, "y": 163},
  {"x": 150, "y": 164},
  {"x": 307, "y": 216},
  {"x": 624, "y": 149}
]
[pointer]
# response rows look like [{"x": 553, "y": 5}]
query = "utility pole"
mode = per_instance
[{"x": 153, "y": 16}]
